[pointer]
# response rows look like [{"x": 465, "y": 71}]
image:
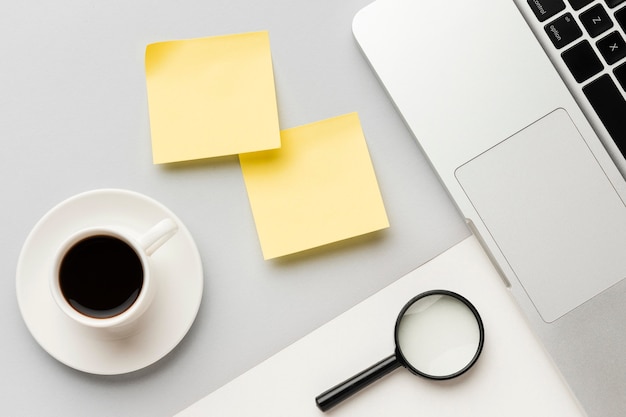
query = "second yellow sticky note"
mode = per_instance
[{"x": 318, "y": 188}]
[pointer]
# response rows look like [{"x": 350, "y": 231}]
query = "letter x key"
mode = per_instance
[{"x": 612, "y": 47}]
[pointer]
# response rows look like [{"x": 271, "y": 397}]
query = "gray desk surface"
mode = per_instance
[{"x": 73, "y": 117}]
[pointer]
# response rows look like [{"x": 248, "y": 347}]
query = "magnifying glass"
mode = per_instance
[{"x": 439, "y": 335}]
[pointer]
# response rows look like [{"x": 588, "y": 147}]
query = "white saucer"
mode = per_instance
[{"x": 177, "y": 270}]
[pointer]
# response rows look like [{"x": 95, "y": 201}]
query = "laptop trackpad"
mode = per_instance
[{"x": 553, "y": 213}]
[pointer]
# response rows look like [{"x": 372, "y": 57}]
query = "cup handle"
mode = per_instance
[{"x": 158, "y": 235}]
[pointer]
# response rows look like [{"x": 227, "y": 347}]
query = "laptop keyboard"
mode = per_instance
[{"x": 586, "y": 34}]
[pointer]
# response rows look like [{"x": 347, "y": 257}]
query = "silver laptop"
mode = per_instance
[{"x": 519, "y": 106}]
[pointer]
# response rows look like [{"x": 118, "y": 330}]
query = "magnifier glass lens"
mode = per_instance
[{"x": 438, "y": 336}]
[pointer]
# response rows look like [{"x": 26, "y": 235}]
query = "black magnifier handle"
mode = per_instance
[{"x": 338, "y": 393}]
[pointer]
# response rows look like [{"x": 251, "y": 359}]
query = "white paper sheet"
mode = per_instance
[{"x": 513, "y": 376}]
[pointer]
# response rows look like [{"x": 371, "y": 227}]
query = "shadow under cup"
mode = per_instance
[{"x": 101, "y": 276}]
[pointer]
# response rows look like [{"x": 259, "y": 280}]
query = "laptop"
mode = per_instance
[{"x": 519, "y": 106}]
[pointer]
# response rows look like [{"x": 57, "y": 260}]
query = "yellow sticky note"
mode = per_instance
[
  {"x": 211, "y": 97},
  {"x": 318, "y": 188}
]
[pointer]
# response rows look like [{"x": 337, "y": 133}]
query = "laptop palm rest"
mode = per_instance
[{"x": 560, "y": 226}]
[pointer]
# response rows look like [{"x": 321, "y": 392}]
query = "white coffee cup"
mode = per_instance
[{"x": 102, "y": 277}]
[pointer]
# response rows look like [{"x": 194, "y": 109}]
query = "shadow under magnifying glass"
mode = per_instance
[{"x": 439, "y": 335}]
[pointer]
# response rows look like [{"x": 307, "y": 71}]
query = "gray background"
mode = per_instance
[{"x": 73, "y": 117}]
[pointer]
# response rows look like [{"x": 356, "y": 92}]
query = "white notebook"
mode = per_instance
[{"x": 513, "y": 376}]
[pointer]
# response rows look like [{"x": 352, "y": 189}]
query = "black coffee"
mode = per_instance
[{"x": 101, "y": 276}]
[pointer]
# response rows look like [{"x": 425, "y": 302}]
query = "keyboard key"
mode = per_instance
[
  {"x": 612, "y": 47},
  {"x": 609, "y": 104},
  {"x": 545, "y": 9},
  {"x": 563, "y": 31},
  {"x": 596, "y": 20},
  {"x": 613, "y": 3},
  {"x": 579, "y": 4},
  {"x": 620, "y": 74},
  {"x": 620, "y": 15},
  {"x": 582, "y": 61}
]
